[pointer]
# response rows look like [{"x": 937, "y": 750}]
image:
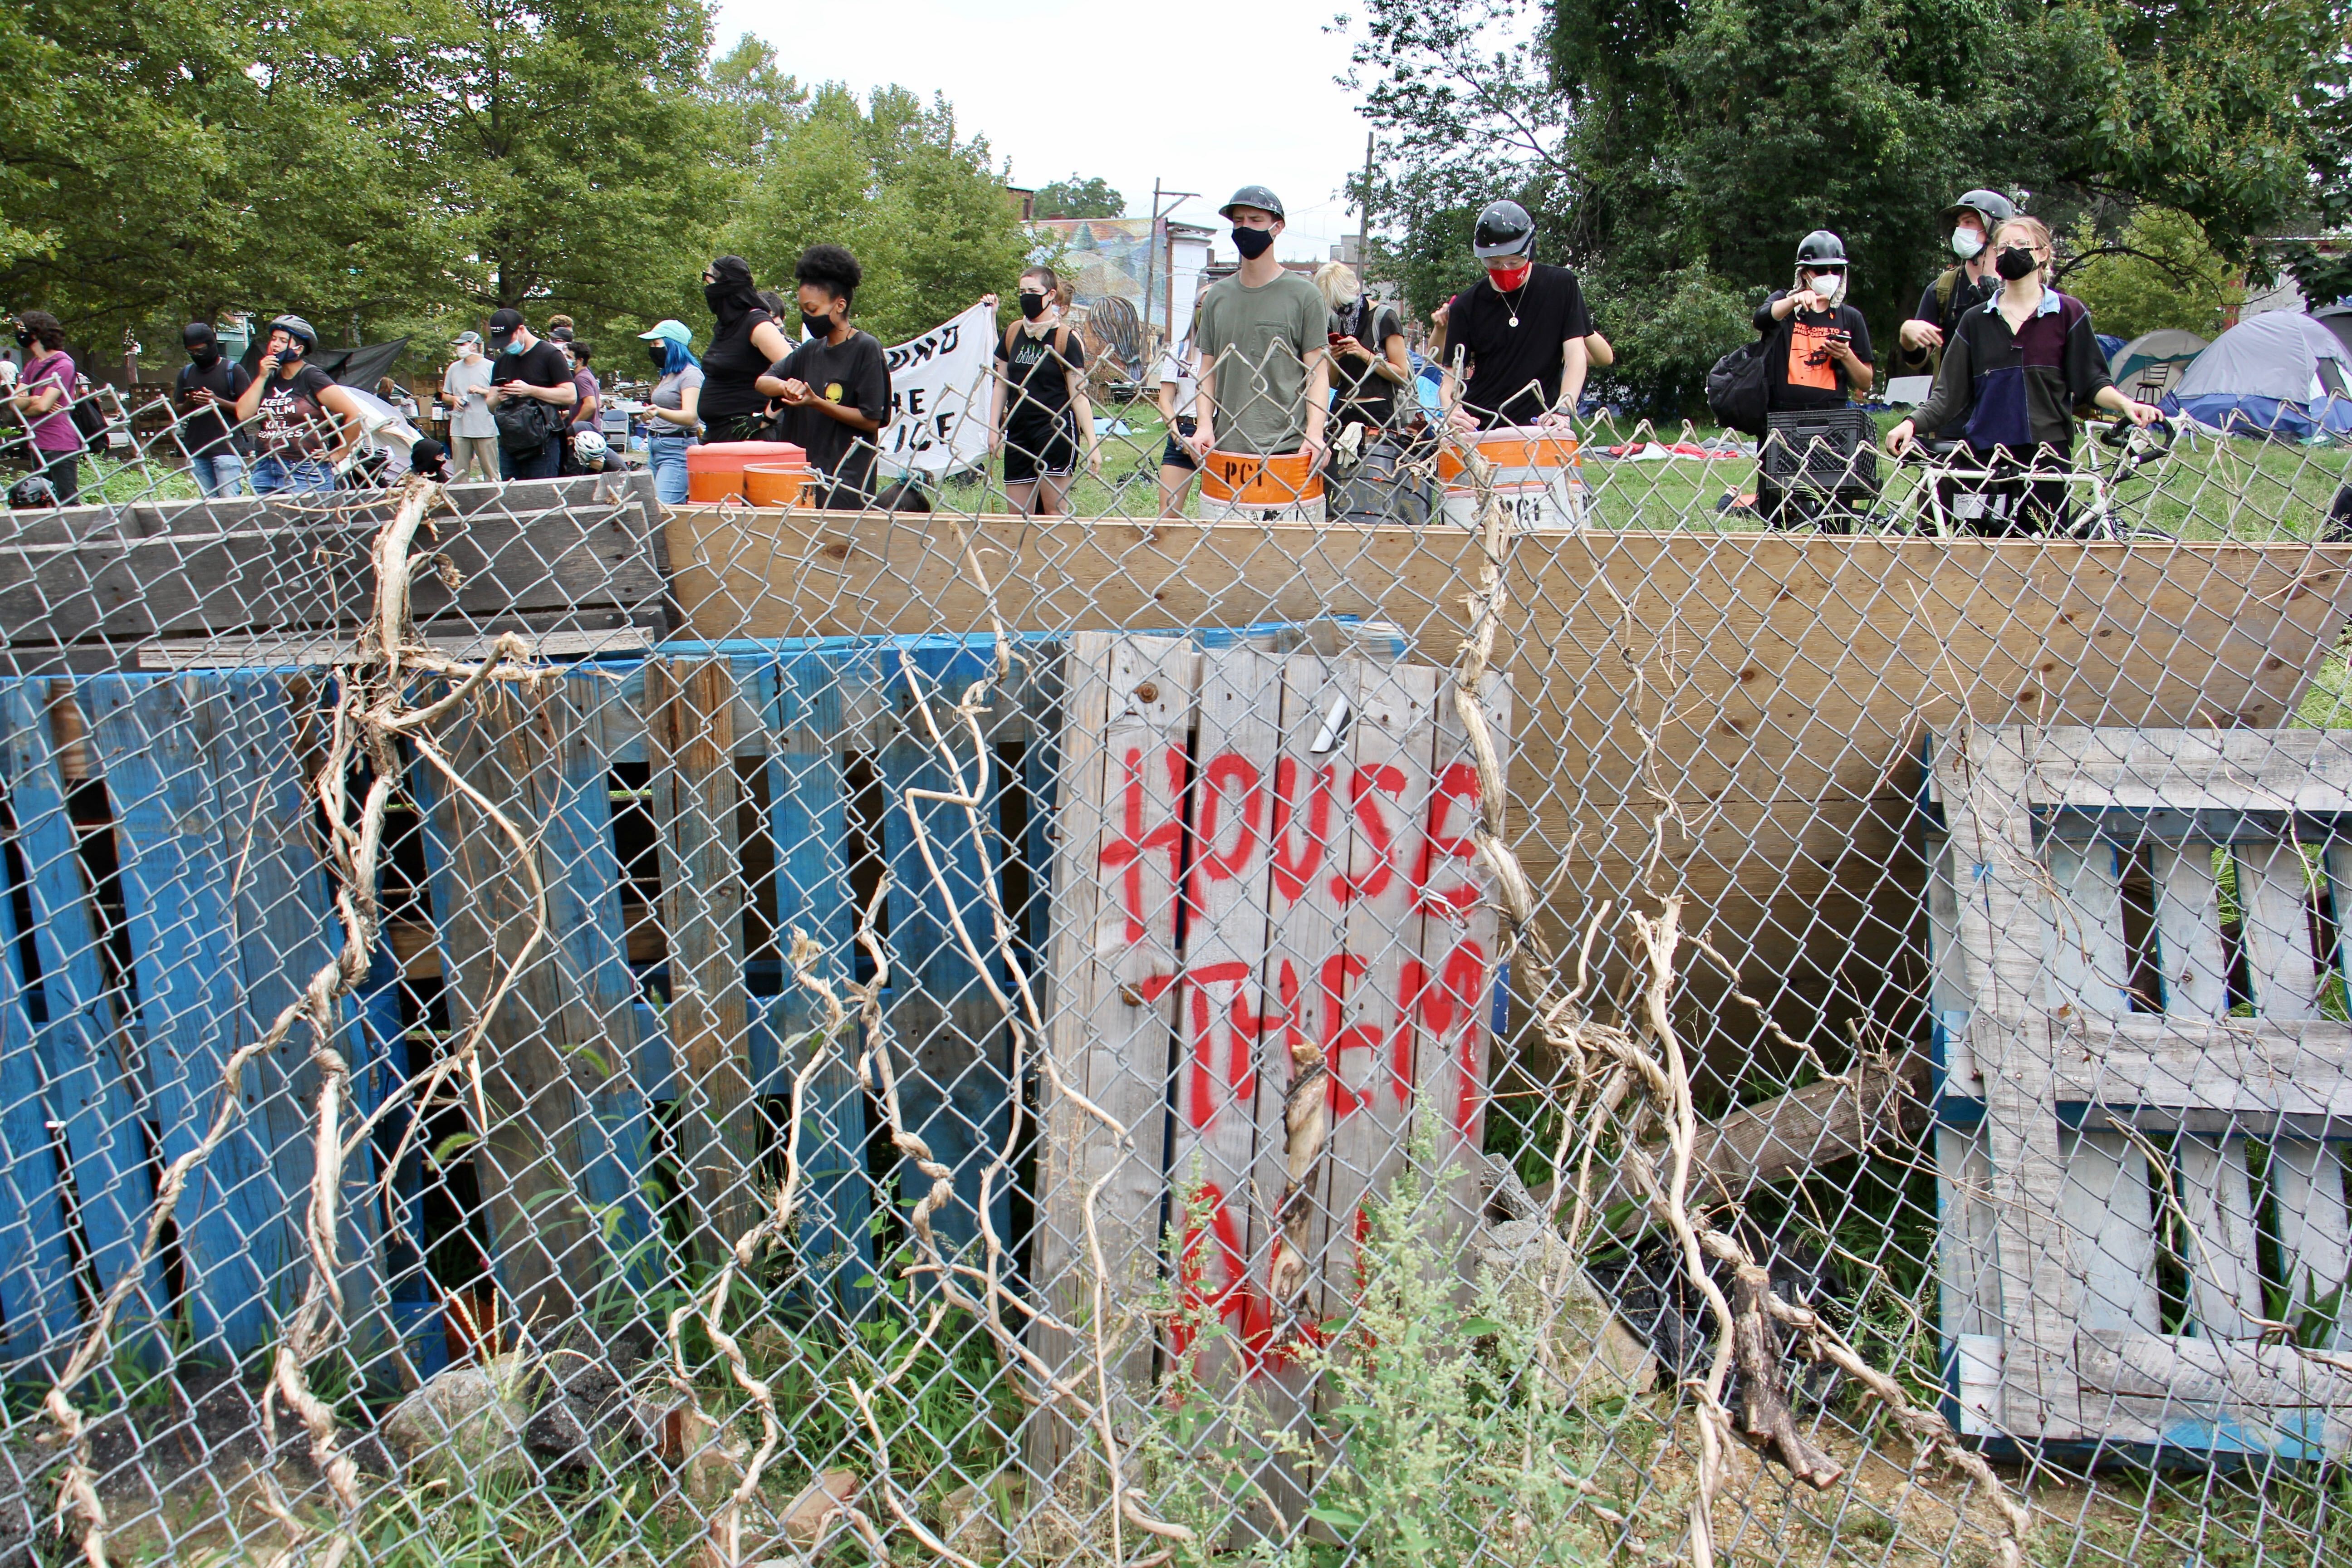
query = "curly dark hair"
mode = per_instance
[
  {"x": 47, "y": 330},
  {"x": 831, "y": 268}
]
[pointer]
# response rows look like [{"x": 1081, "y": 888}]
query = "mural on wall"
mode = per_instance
[{"x": 1112, "y": 257}]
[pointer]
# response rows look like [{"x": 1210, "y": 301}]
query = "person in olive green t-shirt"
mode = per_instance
[{"x": 1264, "y": 336}]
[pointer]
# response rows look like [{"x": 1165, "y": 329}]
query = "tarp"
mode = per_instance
[
  {"x": 2167, "y": 346},
  {"x": 2280, "y": 374},
  {"x": 362, "y": 367}
]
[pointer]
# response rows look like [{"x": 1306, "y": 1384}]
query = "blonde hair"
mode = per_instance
[
  {"x": 2035, "y": 231},
  {"x": 1337, "y": 282}
]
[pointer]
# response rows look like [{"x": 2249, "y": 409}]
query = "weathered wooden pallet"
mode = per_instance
[
  {"x": 2145, "y": 1083},
  {"x": 1256, "y": 853}
]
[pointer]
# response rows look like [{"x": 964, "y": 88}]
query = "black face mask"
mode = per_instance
[
  {"x": 24, "y": 340},
  {"x": 818, "y": 326},
  {"x": 1252, "y": 243},
  {"x": 2014, "y": 262},
  {"x": 1033, "y": 305},
  {"x": 660, "y": 355}
]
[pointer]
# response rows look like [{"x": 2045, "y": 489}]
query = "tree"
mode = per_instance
[
  {"x": 920, "y": 208},
  {"x": 1669, "y": 146},
  {"x": 1075, "y": 198},
  {"x": 2160, "y": 272}
]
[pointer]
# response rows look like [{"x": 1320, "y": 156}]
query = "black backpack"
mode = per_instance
[{"x": 1736, "y": 393}]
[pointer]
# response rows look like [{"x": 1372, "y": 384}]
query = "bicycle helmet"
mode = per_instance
[
  {"x": 1504, "y": 229},
  {"x": 295, "y": 327},
  {"x": 590, "y": 448},
  {"x": 1992, "y": 209}
]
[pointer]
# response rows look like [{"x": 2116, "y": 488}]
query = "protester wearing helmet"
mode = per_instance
[
  {"x": 307, "y": 424},
  {"x": 1958, "y": 288},
  {"x": 1263, "y": 335},
  {"x": 1521, "y": 330},
  {"x": 589, "y": 449},
  {"x": 1827, "y": 359}
]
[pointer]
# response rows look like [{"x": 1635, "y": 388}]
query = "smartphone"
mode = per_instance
[{"x": 1337, "y": 338}]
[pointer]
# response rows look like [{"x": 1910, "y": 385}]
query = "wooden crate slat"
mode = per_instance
[
  {"x": 1969, "y": 1299},
  {"x": 2272, "y": 878},
  {"x": 2089, "y": 969},
  {"x": 2224, "y": 1287},
  {"x": 92, "y": 1090},
  {"x": 2105, "y": 1206},
  {"x": 808, "y": 817},
  {"x": 530, "y": 1159},
  {"x": 2314, "y": 1231},
  {"x": 2243, "y": 769},
  {"x": 177, "y": 861},
  {"x": 690, "y": 711},
  {"x": 2188, "y": 931},
  {"x": 954, "y": 1061}
]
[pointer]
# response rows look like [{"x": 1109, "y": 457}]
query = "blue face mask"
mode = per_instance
[{"x": 513, "y": 347}]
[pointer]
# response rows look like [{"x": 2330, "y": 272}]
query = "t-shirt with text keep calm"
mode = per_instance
[{"x": 1254, "y": 343}]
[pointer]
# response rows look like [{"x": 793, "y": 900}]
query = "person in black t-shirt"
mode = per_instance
[
  {"x": 835, "y": 387},
  {"x": 524, "y": 366},
  {"x": 1826, "y": 363},
  {"x": 1042, "y": 414},
  {"x": 1368, "y": 361},
  {"x": 1522, "y": 331},
  {"x": 209, "y": 388},
  {"x": 748, "y": 337},
  {"x": 304, "y": 423}
]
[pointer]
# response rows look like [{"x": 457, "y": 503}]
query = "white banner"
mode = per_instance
[{"x": 941, "y": 384}]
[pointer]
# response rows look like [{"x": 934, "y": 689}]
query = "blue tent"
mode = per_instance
[{"x": 2280, "y": 374}]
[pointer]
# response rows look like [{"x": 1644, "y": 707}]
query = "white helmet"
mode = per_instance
[{"x": 588, "y": 447}]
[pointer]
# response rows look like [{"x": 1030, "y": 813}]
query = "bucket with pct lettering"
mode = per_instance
[
  {"x": 1240, "y": 487},
  {"x": 1539, "y": 480}
]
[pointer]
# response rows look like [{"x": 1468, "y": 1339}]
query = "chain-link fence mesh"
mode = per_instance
[{"x": 1513, "y": 1013}]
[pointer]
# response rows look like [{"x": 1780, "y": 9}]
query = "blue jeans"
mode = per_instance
[
  {"x": 218, "y": 473},
  {"x": 666, "y": 456},
  {"x": 539, "y": 465},
  {"x": 307, "y": 477}
]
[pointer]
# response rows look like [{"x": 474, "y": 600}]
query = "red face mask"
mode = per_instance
[{"x": 1510, "y": 275}]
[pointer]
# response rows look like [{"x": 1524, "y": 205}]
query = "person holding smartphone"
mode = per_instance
[
  {"x": 206, "y": 395},
  {"x": 1369, "y": 362}
]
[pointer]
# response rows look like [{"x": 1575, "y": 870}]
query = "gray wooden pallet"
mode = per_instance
[{"x": 2136, "y": 1082}]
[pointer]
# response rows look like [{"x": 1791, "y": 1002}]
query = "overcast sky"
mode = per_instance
[{"x": 1205, "y": 96}]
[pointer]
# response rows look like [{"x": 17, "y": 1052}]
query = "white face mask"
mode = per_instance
[
  {"x": 1967, "y": 244},
  {"x": 1830, "y": 286}
]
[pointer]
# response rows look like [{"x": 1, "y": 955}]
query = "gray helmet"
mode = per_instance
[
  {"x": 1992, "y": 209},
  {"x": 296, "y": 327},
  {"x": 1256, "y": 196},
  {"x": 1821, "y": 248},
  {"x": 1504, "y": 229}
]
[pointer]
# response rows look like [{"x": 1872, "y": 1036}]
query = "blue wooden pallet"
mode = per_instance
[{"x": 115, "y": 1022}]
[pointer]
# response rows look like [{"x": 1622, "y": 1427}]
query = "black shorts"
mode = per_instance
[
  {"x": 1177, "y": 455},
  {"x": 1034, "y": 454}
]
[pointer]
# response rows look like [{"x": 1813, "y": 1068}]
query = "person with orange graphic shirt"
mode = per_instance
[{"x": 1825, "y": 359}]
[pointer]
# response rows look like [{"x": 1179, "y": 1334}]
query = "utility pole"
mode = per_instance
[
  {"x": 1151, "y": 242},
  {"x": 1364, "y": 214}
]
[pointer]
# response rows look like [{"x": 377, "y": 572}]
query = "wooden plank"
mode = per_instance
[
  {"x": 177, "y": 862},
  {"x": 954, "y": 1061},
  {"x": 1224, "y": 1046},
  {"x": 1951, "y": 982},
  {"x": 2219, "y": 1374},
  {"x": 326, "y": 645},
  {"x": 2188, "y": 931},
  {"x": 2106, "y": 1207},
  {"x": 2272, "y": 879},
  {"x": 2194, "y": 769},
  {"x": 1381, "y": 975},
  {"x": 2224, "y": 1286},
  {"x": 92, "y": 1088},
  {"x": 1460, "y": 953},
  {"x": 529, "y": 1160},
  {"x": 2314, "y": 1230},
  {"x": 1967, "y": 1265},
  {"x": 689, "y": 729},
  {"x": 1803, "y": 1130},
  {"x": 1128, "y": 710},
  {"x": 2090, "y": 966}
]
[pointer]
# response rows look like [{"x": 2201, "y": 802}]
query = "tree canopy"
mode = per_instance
[
  {"x": 382, "y": 168},
  {"x": 1075, "y": 198},
  {"x": 1678, "y": 150}
]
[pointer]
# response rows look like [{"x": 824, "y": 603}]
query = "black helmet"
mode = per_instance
[
  {"x": 1992, "y": 209},
  {"x": 1820, "y": 250},
  {"x": 1256, "y": 196},
  {"x": 1504, "y": 229},
  {"x": 296, "y": 327}
]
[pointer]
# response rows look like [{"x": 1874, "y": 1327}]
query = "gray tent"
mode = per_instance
[
  {"x": 2336, "y": 319},
  {"x": 2279, "y": 373},
  {"x": 2153, "y": 362}
]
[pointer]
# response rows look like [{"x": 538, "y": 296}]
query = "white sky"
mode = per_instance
[{"x": 1205, "y": 96}]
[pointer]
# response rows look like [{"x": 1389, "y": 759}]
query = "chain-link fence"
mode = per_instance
[{"x": 1513, "y": 1013}]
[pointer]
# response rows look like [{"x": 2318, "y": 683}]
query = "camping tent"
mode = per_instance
[
  {"x": 2279, "y": 373},
  {"x": 2336, "y": 319},
  {"x": 2153, "y": 362}
]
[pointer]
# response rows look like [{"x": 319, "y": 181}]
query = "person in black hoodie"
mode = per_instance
[
  {"x": 206, "y": 395},
  {"x": 745, "y": 342}
]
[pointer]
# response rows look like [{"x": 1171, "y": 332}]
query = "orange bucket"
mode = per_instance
[
  {"x": 1511, "y": 451},
  {"x": 714, "y": 472},
  {"x": 1243, "y": 479},
  {"x": 775, "y": 484}
]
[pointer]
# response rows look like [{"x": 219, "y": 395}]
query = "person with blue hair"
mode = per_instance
[{"x": 673, "y": 410}]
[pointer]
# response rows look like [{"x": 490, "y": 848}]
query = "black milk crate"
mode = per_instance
[{"x": 1823, "y": 449}]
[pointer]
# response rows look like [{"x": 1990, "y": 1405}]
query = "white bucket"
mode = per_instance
[{"x": 1539, "y": 481}]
